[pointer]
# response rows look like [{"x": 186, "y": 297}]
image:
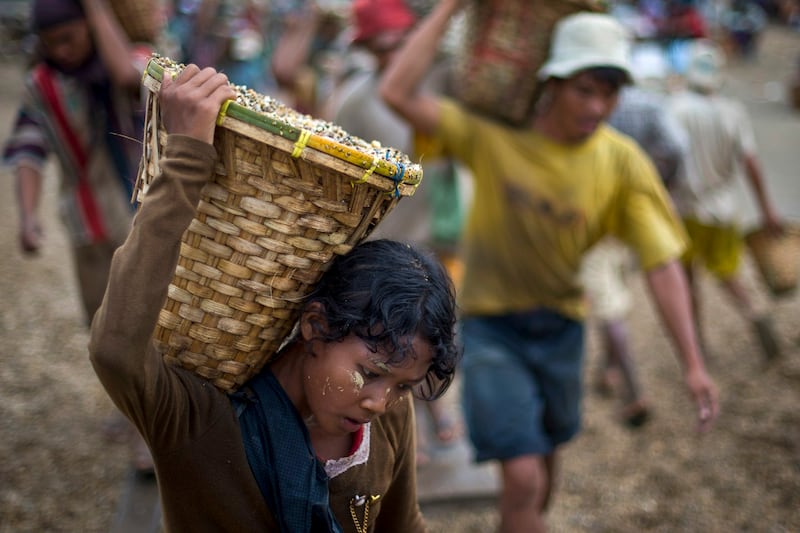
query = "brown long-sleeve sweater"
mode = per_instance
[{"x": 204, "y": 479}]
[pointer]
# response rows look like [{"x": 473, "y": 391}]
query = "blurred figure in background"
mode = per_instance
[
  {"x": 83, "y": 104},
  {"x": 790, "y": 13},
  {"x": 307, "y": 54},
  {"x": 683, "y": 20},
  {"x": 722, "y": 144},
  {"x": 743, "y": 21},
  {"x": 544, "y": 194},
  {"x": 642, "y": 114},
  {"x": 682, "y": 24},
  {"x": 433, "y": 216},
  {"x": 794, "y": 86},
  {"x": 233, "y": 36}
]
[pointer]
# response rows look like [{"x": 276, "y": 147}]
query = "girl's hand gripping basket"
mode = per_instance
[{"x": 289, "y": 193}]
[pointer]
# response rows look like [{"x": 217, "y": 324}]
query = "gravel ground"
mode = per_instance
[{"x": 58, "y": 473}]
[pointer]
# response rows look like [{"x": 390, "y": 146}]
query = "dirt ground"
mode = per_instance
[{"x": 57, "y": 473}]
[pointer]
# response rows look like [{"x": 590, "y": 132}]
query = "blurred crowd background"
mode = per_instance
[{"x": 304, "y": 51}]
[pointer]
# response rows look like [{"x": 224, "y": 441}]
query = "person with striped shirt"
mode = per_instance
[{"x": 84, "y": 105}]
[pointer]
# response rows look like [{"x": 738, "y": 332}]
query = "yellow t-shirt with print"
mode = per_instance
[{"x": 539, "y": 205}]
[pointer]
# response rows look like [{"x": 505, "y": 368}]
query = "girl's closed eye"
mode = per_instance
[{"x": 367, "y": 373}]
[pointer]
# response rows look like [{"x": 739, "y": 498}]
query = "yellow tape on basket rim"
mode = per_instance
[
  {"x": 367, "y": 173},
  {"x": 223, "y": 112},
  {"x": 301, "y": 143}
]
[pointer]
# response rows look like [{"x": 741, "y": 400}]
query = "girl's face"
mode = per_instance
[
  {"x": 68, "y": 44},
  {"x": 347, "y": 384}
]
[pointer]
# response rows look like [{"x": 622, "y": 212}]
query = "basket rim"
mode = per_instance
[
  {"x": 410, "y": 175},
  {"x": 790, "y": 229}
]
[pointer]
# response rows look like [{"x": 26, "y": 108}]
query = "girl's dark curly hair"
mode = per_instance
[{"x": 386, "y": 292}]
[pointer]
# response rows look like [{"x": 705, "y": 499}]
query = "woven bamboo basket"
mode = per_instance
[
  {"x": 507, "y": 41},
  {"x": 139, "y": 18},
  {"x": 282, "y": 203},
  {"x": 777, "y": 258}
]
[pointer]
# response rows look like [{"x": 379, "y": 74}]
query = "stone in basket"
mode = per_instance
[{"x": 289, "y": 193}]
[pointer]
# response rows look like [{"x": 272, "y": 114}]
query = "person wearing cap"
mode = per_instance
[
  {"x": 83, "y": 104},
  {"x": 379, "y": 28},
  {"x": 721, "y": 143},
  {"x": 434, "y": 216},
  {"x": 544, "y": 194}
]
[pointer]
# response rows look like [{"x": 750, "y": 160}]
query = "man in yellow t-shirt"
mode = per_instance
[{"x": 543, "y": 195}]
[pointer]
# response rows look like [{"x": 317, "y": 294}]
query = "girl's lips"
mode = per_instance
[{"x": 351, "y": 424}]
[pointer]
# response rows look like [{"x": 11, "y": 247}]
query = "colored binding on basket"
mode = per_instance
[
  {"x": 367, "y": 173},
  {"x": 398, "y": 178},
  {"x": 223, "y": 112},
  {"x": 301, "y": 143}
]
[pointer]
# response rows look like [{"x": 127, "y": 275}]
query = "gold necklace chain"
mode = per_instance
[
  {"x": 358, "y": 501},
  {"x": 359, "y": 527}
]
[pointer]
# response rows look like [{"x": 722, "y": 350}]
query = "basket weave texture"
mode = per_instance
[
  {"x": 268, "y": 224},
  {"x": 777, "y": 258},
  {"x": 139, "y": 18},
  {"x": 506, "y": 42}
]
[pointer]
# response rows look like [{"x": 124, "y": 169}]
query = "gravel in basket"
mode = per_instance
[{"x": 289, "y": 193}]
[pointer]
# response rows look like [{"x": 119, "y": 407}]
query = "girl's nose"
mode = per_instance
[{"x": 375, "y": 400}]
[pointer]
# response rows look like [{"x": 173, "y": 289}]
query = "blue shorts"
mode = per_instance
[{"x": 521, "y": 382}]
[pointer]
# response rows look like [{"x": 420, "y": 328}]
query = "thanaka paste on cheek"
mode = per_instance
[
  {"x": 383, "y": 366},
  {"x": 358, "y": 380}
]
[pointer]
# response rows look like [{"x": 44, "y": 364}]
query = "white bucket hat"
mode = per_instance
[
  {"x": 704, "y": 69},
  {"x": 587, "y": 40}
]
